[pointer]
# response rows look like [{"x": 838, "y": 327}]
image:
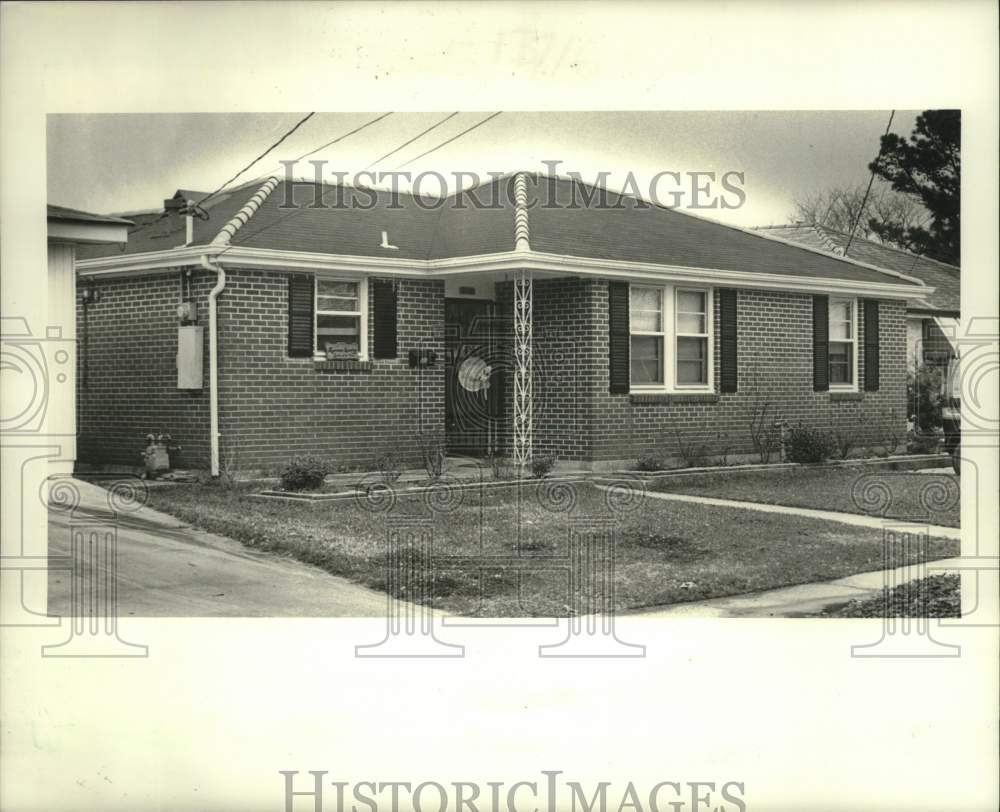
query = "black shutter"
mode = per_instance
[
  {"x": 300, "y": 315},
  {"x": 821, "y": 343},
  {"x": 383, "y": 293},
  {"x": 871, "y": 345},
  {"x": 728, "y": 353},
  {"x": 618, "y": 338}
]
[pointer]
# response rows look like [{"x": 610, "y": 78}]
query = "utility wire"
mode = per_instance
[
  {"x": 871, "y": 180},
  {"x": 407, "y": 143},
  {"x": 450, "y": 140},
  {"x": 322, "y": 197},
  {"x": 205, "y": 215},
  {"x": 264, "y": 154}
]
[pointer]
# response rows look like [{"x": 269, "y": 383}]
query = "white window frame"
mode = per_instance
[
  {"x": 361, "y": 314},
  {"x": 853, "y": 341},
  {"x": 670, "y": 335}
]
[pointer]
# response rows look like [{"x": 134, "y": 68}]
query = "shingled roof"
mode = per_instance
[
  {"x": 565, "y": 217},
  {"x": 945, "y": 279}
]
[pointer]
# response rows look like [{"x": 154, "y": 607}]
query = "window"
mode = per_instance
[
  {"x": 340, "y": 319},
  {"x": 843, "y": 338},
  {"x": 646, "y": 326},
  {"x": 670, "y": 342},
  {"x": 692, "y": 337}
]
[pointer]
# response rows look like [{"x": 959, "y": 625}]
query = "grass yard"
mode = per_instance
[
  {"x": 935, "y": 596},
  {"x": 913, "y": 496},
  {"x": 665, "y": 552}
]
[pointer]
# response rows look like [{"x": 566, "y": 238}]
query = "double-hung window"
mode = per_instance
[
  {"x": 692, "y": 337},
  {"x": 648, "y": 337},
  {"x": 843, "y": 343},
  {"x": 340, "y": 319},
  {"x": 671, "y": 338}
]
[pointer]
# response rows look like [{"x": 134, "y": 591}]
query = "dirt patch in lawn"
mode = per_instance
[
  {"x": 915, "y": 496},
  {"x": 498, "y": 553}
]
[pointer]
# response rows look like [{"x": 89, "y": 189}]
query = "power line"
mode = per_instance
[
  {"x": 264, "y": 154},
  {"x": 450, "y": 140},
  {"x": 415, "y": 138},
  {"x": 339, "y": 138},
  {"x": 322, "y": 197},
  {"x": 871, "y": 180}
]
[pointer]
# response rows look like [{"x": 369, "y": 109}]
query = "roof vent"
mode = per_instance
[{"x": 386, "y": 244}]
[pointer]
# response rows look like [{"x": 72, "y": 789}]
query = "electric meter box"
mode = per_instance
[{"x": 190, "y": 355}]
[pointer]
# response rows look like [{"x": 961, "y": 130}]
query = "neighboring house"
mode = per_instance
[
  {"x": 524, "y": 325},
  {"x": 932, "y": 321},
  {"x": 67, "y": 230}
]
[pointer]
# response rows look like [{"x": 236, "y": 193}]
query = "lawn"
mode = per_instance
[
  {"x": 920, "y": 497},
  {"x": 665, "y": 552},
  {"x": 935, "y": 596}
]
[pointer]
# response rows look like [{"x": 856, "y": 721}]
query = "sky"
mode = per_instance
[{"x": 125, "y": 162}]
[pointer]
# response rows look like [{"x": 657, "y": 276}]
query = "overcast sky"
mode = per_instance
[{"x": 114, "y": 163}]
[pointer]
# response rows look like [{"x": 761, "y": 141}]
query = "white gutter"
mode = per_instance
[{"x": 213, "y": 360}]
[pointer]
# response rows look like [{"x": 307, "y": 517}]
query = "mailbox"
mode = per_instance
[
  {"x": 422, "y": 358},
  {"x": 190, "y": 353}
]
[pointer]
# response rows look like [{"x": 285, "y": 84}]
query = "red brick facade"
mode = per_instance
[
  {"x": 273, "y": 406},
  {"x": 270, "y": 406}
]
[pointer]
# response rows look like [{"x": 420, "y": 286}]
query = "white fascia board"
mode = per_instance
[
  {"x": 297, "y": 261},
  {"x": 87, "y": 232}
]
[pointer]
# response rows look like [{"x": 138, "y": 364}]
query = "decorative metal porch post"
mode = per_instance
[
  {"x": 522, "y": 332},
  {"x": 522, "y": 369}
]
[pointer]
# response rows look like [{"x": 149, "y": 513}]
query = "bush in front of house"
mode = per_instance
[
  {"x": 542, "y": 466},
  {"x": 923, "y": 397},
  {"x": 650, "y": 462},
  {"x": 304, "y": 473},
  {"x": 805, "y": 444}
]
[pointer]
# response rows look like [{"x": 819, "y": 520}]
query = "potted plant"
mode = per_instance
[{"x": 156, "y": 455}]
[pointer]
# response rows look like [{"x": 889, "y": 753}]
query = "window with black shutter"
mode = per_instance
[
  {"x": 871, "y": 346},
  {"x": 301, "y": 300},
  {"x": 383, "y": 292},
  {"x": 728, "y": 350},
  {"x": 618, "y": 338},
  {"x": 821, "y": 343}
]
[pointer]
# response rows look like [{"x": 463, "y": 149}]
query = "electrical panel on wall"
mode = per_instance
[{"x": 190, "y": 356}]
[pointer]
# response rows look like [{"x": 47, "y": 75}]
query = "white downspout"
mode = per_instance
[
  {"x": 213, "y": 360},
  {"x": 221, "y": 240}
]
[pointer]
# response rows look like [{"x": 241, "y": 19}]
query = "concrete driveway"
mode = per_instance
[{"x": 169, "y": 569}]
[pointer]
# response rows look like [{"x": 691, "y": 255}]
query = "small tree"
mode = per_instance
[
  {"x": 923, "y": 398},
  {"x": 764, "y": 419}
]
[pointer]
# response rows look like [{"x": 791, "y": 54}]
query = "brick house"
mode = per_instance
[
  {"x": 530, "y": 315},
  {"x": 932, "y": 320}
]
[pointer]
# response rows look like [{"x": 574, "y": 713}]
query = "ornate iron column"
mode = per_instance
[{"x": 522, "y": 332}]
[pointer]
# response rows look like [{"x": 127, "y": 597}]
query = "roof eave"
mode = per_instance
[{"x": 297, "y": 261}]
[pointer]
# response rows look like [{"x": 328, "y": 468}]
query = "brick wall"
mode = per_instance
[
  {"x": 576, "y": 417},
  {"x": 270, "y": 406},
  {"x": 127, "y": 371}
]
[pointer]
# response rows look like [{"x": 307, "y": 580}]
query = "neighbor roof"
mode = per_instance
[
  {"x": 565, "y": 217},
  {"x": 945, "y": 279},
  {"x": 76, "y": 216}
]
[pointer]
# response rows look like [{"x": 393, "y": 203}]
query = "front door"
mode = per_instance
[{"x": 469, "y": 376}]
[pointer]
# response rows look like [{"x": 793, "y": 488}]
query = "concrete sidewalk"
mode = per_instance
[
  {"x": 794, "y": 601},
  {"x": 858, "y": 520},
  {"x": 169, "y": 569}
]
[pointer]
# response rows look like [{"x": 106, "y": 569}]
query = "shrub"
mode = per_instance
[
  {"x": 650, "y": 462},
  {"x": 435, "y": 455},
  {"x": 690, "y": 449},
  {"x": 923, "y": 397},
  {"x": 804, "y": 444},
  {"x": 542, "y": 466},
  {"x": 304, "y": 473},
  {"x": 389, "y": 465},
  {"x": 502, "y": 467}
]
